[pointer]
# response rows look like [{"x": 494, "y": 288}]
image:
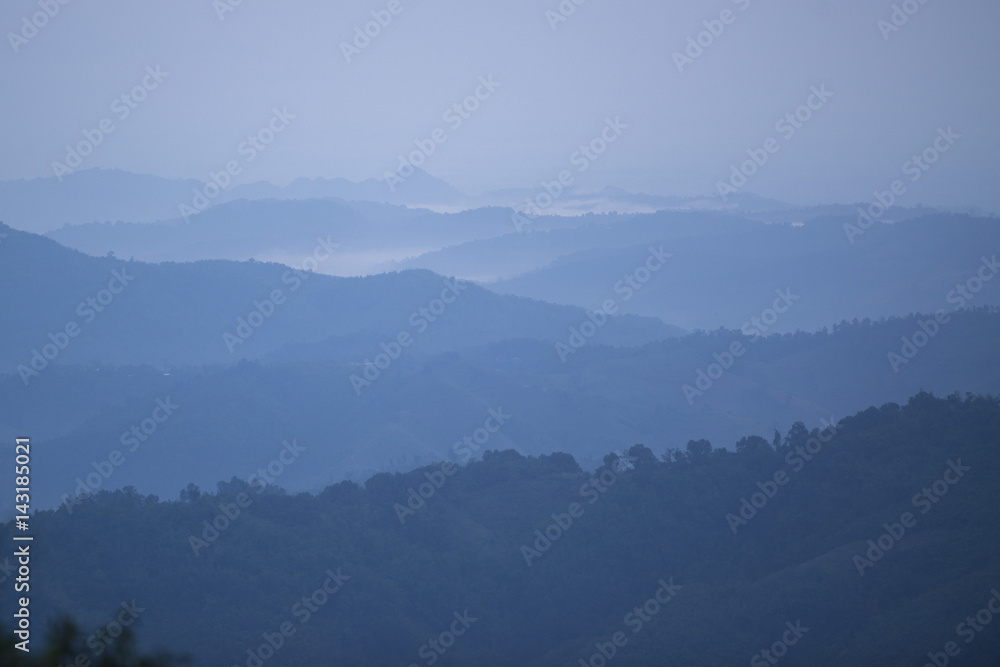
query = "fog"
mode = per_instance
[{"x": 558, "y": 80}]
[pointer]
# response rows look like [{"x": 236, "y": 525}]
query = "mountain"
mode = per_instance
[
  {"x": 549, "y": 239},
  {"x": 110, "y": 195},
  {"x": 355, "y": 421},
  {"x": 367, "y": 234},
  {"x": 40, "y": 205},
  {"x": 124, "y": 312},
  {"x": 728, "y": 277},
  {"x": 724, "y": 269},
  {"x": 577, "y": 201},
  {"x": 45, "y": 204},
  {"x": 870, "y": 542},
  {"x": 418, "y": 189}
]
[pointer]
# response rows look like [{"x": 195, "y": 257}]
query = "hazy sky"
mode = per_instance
[{"x": 557, "y": 88}]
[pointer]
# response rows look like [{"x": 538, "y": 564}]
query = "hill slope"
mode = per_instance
[
  {"x": 233, "y": 420},
  {"x": 564, "y": 560},
  {"x": 117, "y": 312}
]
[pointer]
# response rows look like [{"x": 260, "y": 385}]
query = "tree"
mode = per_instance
[
  {"x": 191, "y": 494},
  {"x": 699, "y": 450},
  {"x": 641, "y": 456},
  {"x": 752, "y": 444},
  {"x": 797, "y": 435},
  {"x": 64, "y": 645}
]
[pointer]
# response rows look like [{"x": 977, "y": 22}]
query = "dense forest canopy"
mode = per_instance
[{"x": 867, "y": 541}]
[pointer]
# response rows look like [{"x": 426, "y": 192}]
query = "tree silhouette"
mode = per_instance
[{"x": 65, "y": 646}]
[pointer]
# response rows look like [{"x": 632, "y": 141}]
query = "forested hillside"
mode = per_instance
[
  {"x": 230, "y": 420},
  {"x": 873, "y": 538}
]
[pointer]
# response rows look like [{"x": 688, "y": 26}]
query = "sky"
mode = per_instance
[{"x": 560, "y": 71}]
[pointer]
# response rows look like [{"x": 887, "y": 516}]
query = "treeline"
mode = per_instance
[{"x": 797, "y": 544}]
